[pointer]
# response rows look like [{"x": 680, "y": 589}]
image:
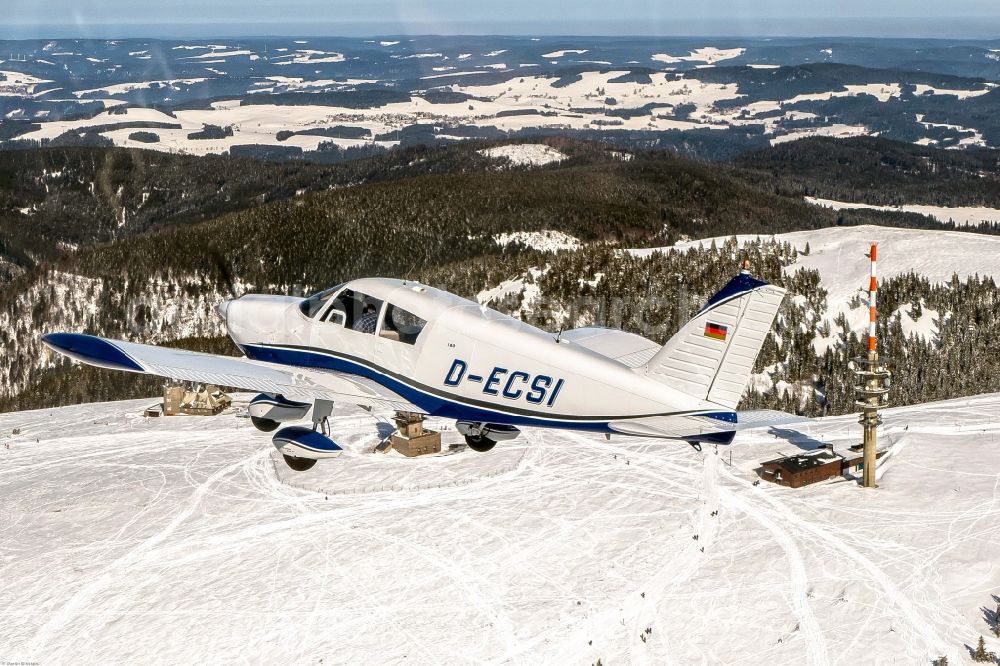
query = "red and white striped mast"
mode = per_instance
[
  {"x": 872, "y": 292},
  {"x": 872, "y": 387}
]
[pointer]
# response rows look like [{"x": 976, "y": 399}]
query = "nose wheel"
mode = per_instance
[
  {"x": 298, "y": 464},
  {"x": 264, "y": 425}
]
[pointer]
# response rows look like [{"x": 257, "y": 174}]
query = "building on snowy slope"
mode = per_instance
[
  {"x": 811, "y": 467},
  {"x": 197, "y": 401}
]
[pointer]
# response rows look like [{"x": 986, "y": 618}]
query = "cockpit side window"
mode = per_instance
[
  {"x": 401, "y": 325},
  {"x": 336, "y": 314},
  {"x": 356, "y": 311}
]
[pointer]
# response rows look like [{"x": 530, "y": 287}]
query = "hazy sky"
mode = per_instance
[{"x": 179, "y": 18}]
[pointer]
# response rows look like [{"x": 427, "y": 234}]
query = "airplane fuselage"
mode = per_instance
[
  {"x": 468, "y": 363},
  {"x": 390, "y": 344}
]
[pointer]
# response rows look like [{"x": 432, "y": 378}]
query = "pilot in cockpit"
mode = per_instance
[{"x": 368, "y": 320}]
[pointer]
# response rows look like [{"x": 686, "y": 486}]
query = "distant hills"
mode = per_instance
[
  {"x": 878, "y": 171},
  {"x": 335, "y": 99}
]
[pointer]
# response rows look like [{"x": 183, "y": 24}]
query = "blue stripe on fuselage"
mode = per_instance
[{"x": 431, "y": 403}]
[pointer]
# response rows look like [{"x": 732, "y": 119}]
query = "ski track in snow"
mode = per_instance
[
  {"x": 136, "y": 555},
  {"x": 174, "y": 539},
  {"x": 798, "y": 592}
]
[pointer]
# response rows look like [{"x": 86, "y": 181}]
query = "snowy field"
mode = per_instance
[
  {"x": 176, "y": 540},
  {"x": 960, "y": 215},
  {"x": 526, "y": 100},
  {"x": 707, "y": 55},
  {"x": 540, "y": 84},
  {"x": 536, "y": 101}
]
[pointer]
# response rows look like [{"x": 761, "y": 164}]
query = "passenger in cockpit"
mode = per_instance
[{"x": 367, "y": 322}]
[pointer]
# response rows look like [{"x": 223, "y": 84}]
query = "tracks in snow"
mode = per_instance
[
  {"x": 571, "y": 547},
  {"x": 109, "y": 575}
]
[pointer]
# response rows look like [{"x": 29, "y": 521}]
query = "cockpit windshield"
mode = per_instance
[{"x": 315, "y": 303}]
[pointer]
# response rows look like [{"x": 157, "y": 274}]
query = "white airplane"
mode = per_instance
[{"x": 386, "y": 343}]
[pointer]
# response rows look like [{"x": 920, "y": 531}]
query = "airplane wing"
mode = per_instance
[
  {"x": 226, "y": 371},
  {"x": 688, "y": 427},
  {"x": 626, "y": 348}
]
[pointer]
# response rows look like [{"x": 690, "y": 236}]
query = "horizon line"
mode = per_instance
[
  {"x": 993, "y": 37},
  {"x": 969, "y": 27}
]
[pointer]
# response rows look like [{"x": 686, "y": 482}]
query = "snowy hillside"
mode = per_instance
[
  {"x": 526, "y": 154},
  {"x": 960, "y": 215},
  {"x": 174, "y": 540},
  {"x": 840, "y": 256},
  {"x": 71, "y": 302}
]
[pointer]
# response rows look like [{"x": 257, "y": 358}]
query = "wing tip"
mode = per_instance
[{"x": 91, "y": 350}]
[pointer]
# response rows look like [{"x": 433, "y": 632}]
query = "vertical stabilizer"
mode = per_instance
[{"x": 712, "y": 355}]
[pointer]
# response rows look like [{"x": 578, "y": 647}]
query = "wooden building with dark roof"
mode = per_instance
[
  {"x": 810, "y": 467},
  {"x": 802, "y": 469}
]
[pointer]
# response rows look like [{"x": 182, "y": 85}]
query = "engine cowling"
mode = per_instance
[{"x": 302, "y": 442}]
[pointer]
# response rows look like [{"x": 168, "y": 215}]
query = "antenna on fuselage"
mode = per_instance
[
  {"x": 420, "y": 261},
  {"x": 496, "y": 292}
]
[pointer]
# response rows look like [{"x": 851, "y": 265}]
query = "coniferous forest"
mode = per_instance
[{"x": 141, "y": 245}]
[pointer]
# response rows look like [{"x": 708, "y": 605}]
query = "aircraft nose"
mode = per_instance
[{"x": 222, "y": 308}]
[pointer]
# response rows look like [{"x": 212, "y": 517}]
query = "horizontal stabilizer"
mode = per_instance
[
  {"x": 767, "y": 418},
  {"x": 691, "y": 427}
]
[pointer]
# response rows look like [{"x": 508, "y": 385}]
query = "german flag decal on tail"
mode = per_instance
[{"x": 717, "y": 331}]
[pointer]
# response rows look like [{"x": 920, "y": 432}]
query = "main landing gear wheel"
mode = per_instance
[
  {"x": 480, "y": 444},
  {"x": 264, "y": 425},
  {"x": 298, "y": 464}
]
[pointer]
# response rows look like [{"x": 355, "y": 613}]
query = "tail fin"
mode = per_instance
[{"x": 712, "y": 355}]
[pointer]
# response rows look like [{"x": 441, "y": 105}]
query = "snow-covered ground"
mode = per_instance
[
  {"x": 525, "y": 154},
  {"x": 594, "y": 101},
  {"x": 120, "y": 88},
  {"x": 960, "y": 215},
  {"x": 556, "y": 106},
  {"x": 923, "y": 89},
  {"x": 16, "y": 84},
  {"x": 560, "y": 54},
  {"x": 174, "y": 540},
  {"x": 310, "y": 57},
  {"x": 252, "y": 124},
  {"x": 838, "y": 130},
  {"x": 631, "y": 85},
  {"x": 708, "y": 55},
  {"x": 548, "y": 240}
]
